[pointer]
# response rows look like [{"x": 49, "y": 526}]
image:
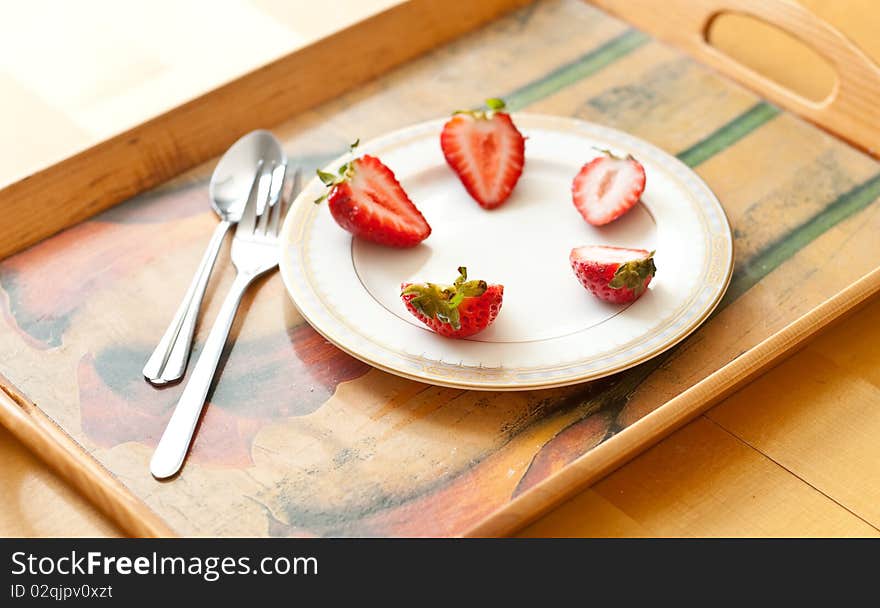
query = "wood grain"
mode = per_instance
[
  {"x": 37, "y": 502},
  {"x": 144, "y": 156},
  {"x": 850, "y": 111},
  {"x": 820, "y": 419},
  {"x": 78, "y": 468},
  {"x": 835, "y": 372},
  {"x": 701, "y": 482}
]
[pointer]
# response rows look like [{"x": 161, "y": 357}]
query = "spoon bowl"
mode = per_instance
[{"x": 232, "y": 178}]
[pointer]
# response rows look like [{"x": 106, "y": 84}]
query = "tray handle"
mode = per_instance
[{"x": 852, "y": 109}]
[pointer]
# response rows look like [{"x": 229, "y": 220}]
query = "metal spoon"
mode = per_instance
[{"x": 229, "y": 188}]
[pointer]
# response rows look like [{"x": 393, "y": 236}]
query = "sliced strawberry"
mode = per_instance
[
  {"x": 607, "y": 187},
  {"x": 613, "y": 274},
  {"x": 368, "y": 201},
  {"x": 455, "y": 311},
  {"x": 487, "y": 152}
]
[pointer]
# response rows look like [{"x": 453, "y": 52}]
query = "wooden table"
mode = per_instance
[{"x": 791, "y": 454}]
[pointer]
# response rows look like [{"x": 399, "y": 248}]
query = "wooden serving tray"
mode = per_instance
[{"x": 301, "y": 439}]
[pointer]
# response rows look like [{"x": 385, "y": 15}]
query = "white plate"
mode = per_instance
[{"x": 551, "y": 331}]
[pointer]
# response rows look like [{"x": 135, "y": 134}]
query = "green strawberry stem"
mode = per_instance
[
  {"x": 493, "y": 105},
  {"x": 611, "y": 154},
  {"x": 345, "y": 173},
  {"x": 632, "y": 275},
  {"x": 496, "y": 104},
  {"x": 441, "y": 302}
]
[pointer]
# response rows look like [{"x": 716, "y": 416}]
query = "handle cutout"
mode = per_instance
[{"x": 781, "y": 57}]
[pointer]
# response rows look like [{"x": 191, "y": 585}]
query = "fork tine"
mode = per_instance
[
  {"x": 249, "y": 214},
  {"x": 283, "y": 204},
  {"x": 265, "y": 206},
  {"x": 279, "y": 174},
  {"x": 278, "y": 178},
  {"x": 277, "y": 199}
]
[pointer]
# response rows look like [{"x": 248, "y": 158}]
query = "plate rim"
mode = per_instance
[{"x": 469, "y": 384}]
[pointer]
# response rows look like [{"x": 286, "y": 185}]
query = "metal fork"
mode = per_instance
[{"x": 255, "y": 251}]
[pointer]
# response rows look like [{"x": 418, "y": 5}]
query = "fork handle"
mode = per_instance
[
  {"x": 168, "y": 361},
  {"x": 175, "y": 441}
]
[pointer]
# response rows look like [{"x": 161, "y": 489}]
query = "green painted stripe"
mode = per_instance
[
  {"x": 593, "y": 61},
  {"x": 772, "y": 256},
  {"x": 728, "y": 134},
  {"x": 753, "y": 271},
  {"x": 580, "y": 68}
]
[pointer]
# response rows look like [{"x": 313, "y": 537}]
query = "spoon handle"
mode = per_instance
[{"x": 169, "y": 359}]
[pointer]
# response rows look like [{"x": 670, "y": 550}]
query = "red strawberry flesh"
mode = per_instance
[
  {"x": 487, "y": 152},
  {"x": 607, "y": 187},
  {"x": 371, "y": 203},
  {"x": 613, "y": 274}
]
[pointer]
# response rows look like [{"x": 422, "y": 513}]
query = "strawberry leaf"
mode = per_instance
[
  {"x": 632, "y": 275},
  {"x": 473, "y": 289},
  {"x": 441, "y": 302},
  {"x": 451, "y": 316},
  {"x": 328, "y": 178}
]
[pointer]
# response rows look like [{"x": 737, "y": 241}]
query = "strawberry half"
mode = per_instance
[
  {"x": 613, "y": 274},
  {"x": 487, "y": 152},
  {"x": 368, "y": 201},
  {"x": 455, "y": 311},
  {"x": 607, "y": 187}
]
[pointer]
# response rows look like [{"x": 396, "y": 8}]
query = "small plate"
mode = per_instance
[{"x": 551, "y": 331}]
